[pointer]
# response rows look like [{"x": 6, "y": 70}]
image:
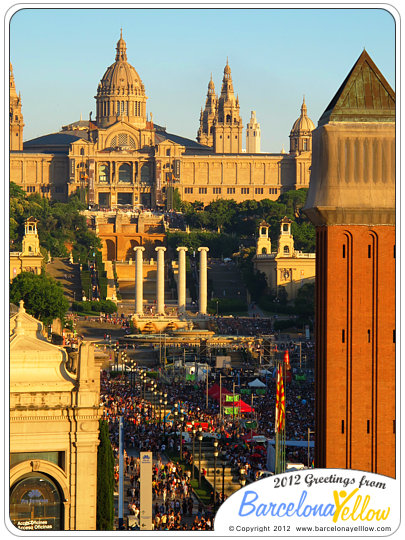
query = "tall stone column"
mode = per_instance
[
  {"x": 139, "y": 280},
  {"x": 160, "y": 280},
  {"x": 182, "y": 279},
  {"x": 203, "y": 280}
]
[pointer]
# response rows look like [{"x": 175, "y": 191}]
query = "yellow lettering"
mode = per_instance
[
  {"x": 345, "y": 511},
  {"x": 340, "y": 505},
  {"x": 356, "y": 505},
  {"x": 365, "y": 504}
]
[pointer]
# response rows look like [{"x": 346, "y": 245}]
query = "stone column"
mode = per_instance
[
  {"x": 182, "y": 279},
  {"x": 203, "y": 280},
  {"x": 139, "y": 280},
  {"x": 160, "y": 281}
]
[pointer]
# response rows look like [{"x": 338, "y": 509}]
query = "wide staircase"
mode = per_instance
[
  {"x": 226, "y": 280},
  {"x": 68, "y": 275},
  {"x": 224, "y": 472}
]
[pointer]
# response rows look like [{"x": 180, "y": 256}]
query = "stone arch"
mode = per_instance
[
  {"x": 129, "y": 248},
  {"x": 53, "y": 472},
  {"x": 110, "y": 250}
]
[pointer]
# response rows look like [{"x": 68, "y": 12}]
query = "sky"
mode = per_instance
[{"x": 276, "y": 56}]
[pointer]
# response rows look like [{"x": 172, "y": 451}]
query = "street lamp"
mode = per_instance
[
  {"x": 192, "y": 469},
  {"x": 175, "y": 414},
  {"x": 164, "y": 420},
  {"x": 215, "y": 471},
  {"x": 223, "y": 459},
  {"x": 181, "y": 437},
  {"x": 200, "y": 438}
]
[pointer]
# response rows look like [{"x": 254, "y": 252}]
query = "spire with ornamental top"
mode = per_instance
[{"x": 121, "y": 49}]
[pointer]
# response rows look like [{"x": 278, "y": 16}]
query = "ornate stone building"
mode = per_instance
[
  {"x": 351, "y": 201},
  {"x": 122, "y": 159},
  {"x": 54, "y": 424},
  {"x": 286, "y": 267}
]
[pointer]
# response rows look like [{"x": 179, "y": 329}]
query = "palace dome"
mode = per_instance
[
  {"x": 121, "y": 93},
  {"x": 121, "y": 77},
  {"x": 303, "y": 124}
]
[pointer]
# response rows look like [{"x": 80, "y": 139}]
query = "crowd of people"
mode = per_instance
[
  {"x": 243, "y": 326},
  {"x": 236, "y": 433},
  {"x": 174, "y": 505}
]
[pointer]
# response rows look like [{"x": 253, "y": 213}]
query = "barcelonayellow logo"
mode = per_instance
[
  {"x": 146, "y": 458},
  {"x": 313, "y": 502}
]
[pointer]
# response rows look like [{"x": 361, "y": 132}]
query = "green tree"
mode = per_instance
[
  {"x": 42, "y": 295},
  {"x": 105, "y": 481}
]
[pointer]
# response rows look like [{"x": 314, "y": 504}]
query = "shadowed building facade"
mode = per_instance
[
  {"x": 123, "y": 159},
  {"x": 351, "y": 201}
]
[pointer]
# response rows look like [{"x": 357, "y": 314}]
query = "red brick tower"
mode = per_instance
[{"x": 351, "y": 201}]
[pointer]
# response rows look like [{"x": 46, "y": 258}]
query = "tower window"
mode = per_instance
[
  {"x": 368, "y": 336},
  {"x": 286, "y": 250},
  {"x": 368, "y": 426},
  {"x": 344, "y": 251},
  {"x": 369, "y": 251},
  {"x": 343, "y": 336}
]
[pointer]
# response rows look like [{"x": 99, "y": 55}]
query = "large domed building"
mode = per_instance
[
  {"x": 121, "y": 93},
  {"x": 124, "y": 159}
]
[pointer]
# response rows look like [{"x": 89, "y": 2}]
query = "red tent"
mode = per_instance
[{"x": 215, "y": 391}]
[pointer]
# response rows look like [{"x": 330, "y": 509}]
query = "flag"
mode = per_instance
[
  {"x": 287, "y": 360},
  {"x": 280, "y": 401}
]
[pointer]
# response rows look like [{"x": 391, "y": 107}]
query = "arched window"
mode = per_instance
[
  {"x": 264, "y": 251},
  {"x": 263, "y": 231},
  {"x": 124, "y": 173},
  {"x": 104, "y": 174},
  {"x": 286, "y": 250},
  {"x": 36, "y": 500},
  {"x": 145, "y": 173},
  {"x": 285, "y": 227},
  {"x": 228, "y": 119}
]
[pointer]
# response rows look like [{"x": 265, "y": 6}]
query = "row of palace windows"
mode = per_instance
[
  {"x": 124, "y": 173},
  {"x": 121, "y": 108},
  {"x": 231, "y": 190}
]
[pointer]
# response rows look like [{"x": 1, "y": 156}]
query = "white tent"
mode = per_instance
[
  {"x": 265, "y": 372},
  {"x": 256, "y": 384}
]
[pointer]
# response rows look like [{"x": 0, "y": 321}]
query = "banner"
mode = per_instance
[
  {"x": 231, "y": 397},
  {"x": 145, "y": 516},
  {"x": 232, "y": 410}
]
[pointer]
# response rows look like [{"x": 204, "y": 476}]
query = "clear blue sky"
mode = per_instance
[{"x": 276, "y": 56}]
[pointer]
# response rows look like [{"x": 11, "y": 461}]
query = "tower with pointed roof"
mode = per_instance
[
  {"x": 351, "y": 201},
  {"x": 206, "y": 131},
  {"x": 121, "y": 93},
  {"x": 301, "y": 132},
  {"x": 228, "y": 123},
  {"x": 253, "y": 135},
  {"x": 16, "y": 117}
]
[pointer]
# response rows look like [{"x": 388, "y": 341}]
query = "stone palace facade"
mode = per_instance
[{"x": 123, "y": 159}]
